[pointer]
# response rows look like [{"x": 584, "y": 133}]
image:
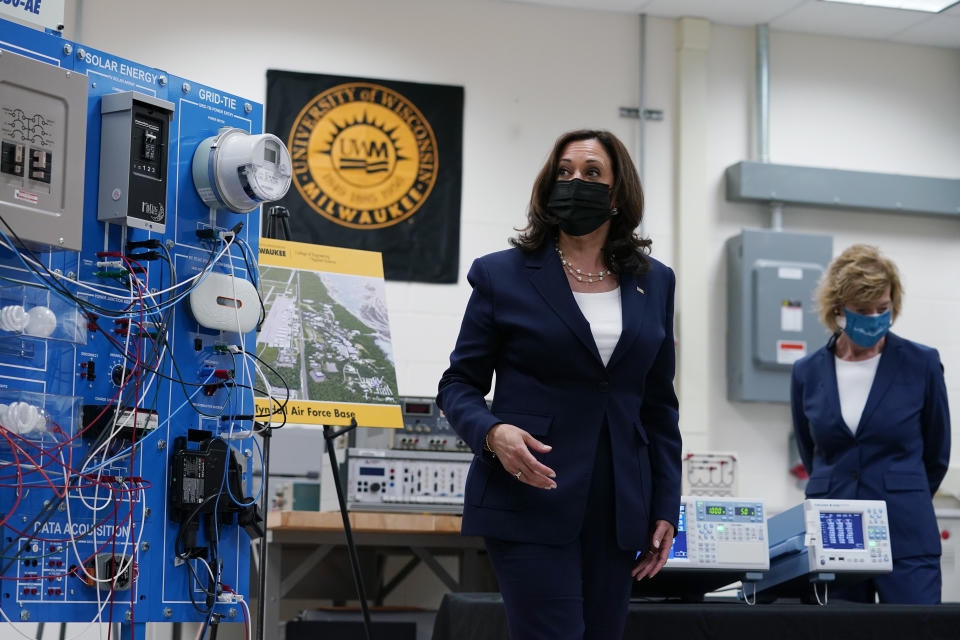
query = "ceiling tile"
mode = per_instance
[
  {"x": 943, "y": 31},
  {"x": 952, "y": 11},
  {"x": 848, "y": 20},
  {"x": 624, "y": 6},
  {"x": 739, "y": 12},
  {"x": 804, "y": 16}
]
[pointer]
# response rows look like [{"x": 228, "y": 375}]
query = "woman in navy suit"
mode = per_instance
[
  {"x": 577, "y": 462},
  {"x": 871, "y": 420}
]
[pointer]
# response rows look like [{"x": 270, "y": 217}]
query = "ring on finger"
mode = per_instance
[{"x": 518, "y": 474}]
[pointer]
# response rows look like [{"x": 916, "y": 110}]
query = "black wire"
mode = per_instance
[
  {"x": 168, "y": 303},
  {"x": 283, "y": 405},
  {"x": 184, "y": 383},
  {"x": 54, "y": 284},
  {"x": 50, "y": 281},
  {"x": 50, "y": 509}
]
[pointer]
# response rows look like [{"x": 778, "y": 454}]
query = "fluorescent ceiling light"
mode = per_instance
[{"x": 929, "y": 6}]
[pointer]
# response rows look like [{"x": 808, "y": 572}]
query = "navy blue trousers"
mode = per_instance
[
  {"x": 914, "y": 580},
  {"x": 572, "y": 591}
]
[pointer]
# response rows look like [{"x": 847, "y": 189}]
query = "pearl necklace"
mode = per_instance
[{"x": 577, "y": 273}]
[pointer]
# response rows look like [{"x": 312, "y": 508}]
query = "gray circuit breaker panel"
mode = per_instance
[
  {"x": 771, "y": 318},
  {"x": 43, "y": 129}
]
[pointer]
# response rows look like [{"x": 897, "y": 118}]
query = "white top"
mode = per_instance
[
  {"x": 854, "y": 380},
  {"x": 602, "y": 311}
]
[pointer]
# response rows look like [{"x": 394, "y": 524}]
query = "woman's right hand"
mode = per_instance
[{"x": 512, "y": 446}]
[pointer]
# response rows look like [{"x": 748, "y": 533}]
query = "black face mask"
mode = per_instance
[{"x": 580, "y": 206}]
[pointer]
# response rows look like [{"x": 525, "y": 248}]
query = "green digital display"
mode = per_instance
[
  {"x": 716, "y": 510},
  {"x": 746, "y": 511}
]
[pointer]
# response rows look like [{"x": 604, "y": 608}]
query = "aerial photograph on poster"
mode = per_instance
[{"x": 326, "y": 335}]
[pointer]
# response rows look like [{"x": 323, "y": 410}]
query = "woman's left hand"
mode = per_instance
[{"x": 656, "y": 556}]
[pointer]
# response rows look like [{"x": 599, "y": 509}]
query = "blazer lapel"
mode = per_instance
[
  {"x": 547, "y": 277},
  {"x": 633, "y": 300},
  {"x": 830, "y": 390},
  {"x": 886, "y": 372}
]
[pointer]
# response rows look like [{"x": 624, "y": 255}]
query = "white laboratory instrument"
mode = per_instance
[
  {"x": 719, "y": 541},
  {"x": 827, "y": 541}
]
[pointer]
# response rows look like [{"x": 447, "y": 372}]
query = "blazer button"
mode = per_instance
[{"x": 604, "y": 386}]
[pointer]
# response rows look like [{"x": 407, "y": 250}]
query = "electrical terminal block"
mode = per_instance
[
  {"x": 230, "y": 234},
  {"x": 112, "y": 273},
  {"x": 146, "y": 256},
  {"x": 112, "y": 572},
  {"x": 153, "y": 243},
  {"x": 208, "y": 372}
]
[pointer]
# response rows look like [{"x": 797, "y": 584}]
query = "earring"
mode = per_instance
[{"x": 614, "y": 211}]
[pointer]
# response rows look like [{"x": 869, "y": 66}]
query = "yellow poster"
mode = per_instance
[{"x": 326, "y": 336}]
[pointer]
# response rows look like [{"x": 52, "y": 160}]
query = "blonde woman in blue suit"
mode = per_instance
[{"x": 871, "y": 420}]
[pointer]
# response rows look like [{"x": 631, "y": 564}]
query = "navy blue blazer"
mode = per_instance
[
  {"x": 900, "y": 450},
  {"x": 523, "y": 323}
]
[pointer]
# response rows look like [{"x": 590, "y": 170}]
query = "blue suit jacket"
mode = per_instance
[
  {"x": 901, "y": 447},
  {"x": 523, "y": 323}
]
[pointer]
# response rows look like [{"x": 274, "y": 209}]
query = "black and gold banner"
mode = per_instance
[{"x": 376, "y": 166}]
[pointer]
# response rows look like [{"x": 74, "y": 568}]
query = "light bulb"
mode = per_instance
[
  {"x": 42, "y": 322},
  {"x": 13, "y": 318}
]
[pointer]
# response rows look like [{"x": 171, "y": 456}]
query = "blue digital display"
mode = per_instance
[
  {"x": 372, "y": 471},
  {"x": 679, "y": 547},
  {"x": 841, "y": 530}
]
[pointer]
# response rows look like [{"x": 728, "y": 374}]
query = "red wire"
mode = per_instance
[
  {"x": 246, "y": 621},
  {"x": 26, "y": 455},
  {"x": 50, "y": 452},
  {"x": 113, "y": 552},
  {"x": 110, "y": 540},
  {"x": 16, "y": 503},
  {"x": 55, "y": 454}
]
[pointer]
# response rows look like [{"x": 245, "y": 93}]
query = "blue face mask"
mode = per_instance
[{"x": 866, "y": 331}]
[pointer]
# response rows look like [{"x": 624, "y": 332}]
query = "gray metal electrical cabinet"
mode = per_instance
[
  {"x": 134, "y": 143},
  {"x": 771, "y": 318},
  {"x": 43, "y": 131}
]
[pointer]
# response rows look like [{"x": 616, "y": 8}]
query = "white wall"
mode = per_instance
[
  {"x": 532, "y": 72},
  {"x": 526, "y": 72},
  {"x": 847, "y": 104}
]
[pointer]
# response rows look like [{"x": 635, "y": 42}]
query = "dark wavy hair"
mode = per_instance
[{"x": 624, "y": 250}]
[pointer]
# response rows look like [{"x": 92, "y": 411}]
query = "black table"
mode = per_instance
[{"x": 479, "y": 616}]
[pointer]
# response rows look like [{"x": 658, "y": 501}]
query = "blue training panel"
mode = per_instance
[{"x": 117, "y": 507}]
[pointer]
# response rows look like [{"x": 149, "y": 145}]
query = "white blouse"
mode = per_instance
[
  {"x": 854, "y": 380},
  {"x": 602, "y": 311}
]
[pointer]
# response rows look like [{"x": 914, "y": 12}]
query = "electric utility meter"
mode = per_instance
[{"x": 238, "y": 171}]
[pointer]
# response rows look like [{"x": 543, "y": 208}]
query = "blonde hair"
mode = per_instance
[{"x": 860, "y": 275}]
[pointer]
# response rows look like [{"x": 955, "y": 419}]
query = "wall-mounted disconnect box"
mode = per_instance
[
  {"x": 771, "y": 318},
  {"x": 134, "y": 142}
]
